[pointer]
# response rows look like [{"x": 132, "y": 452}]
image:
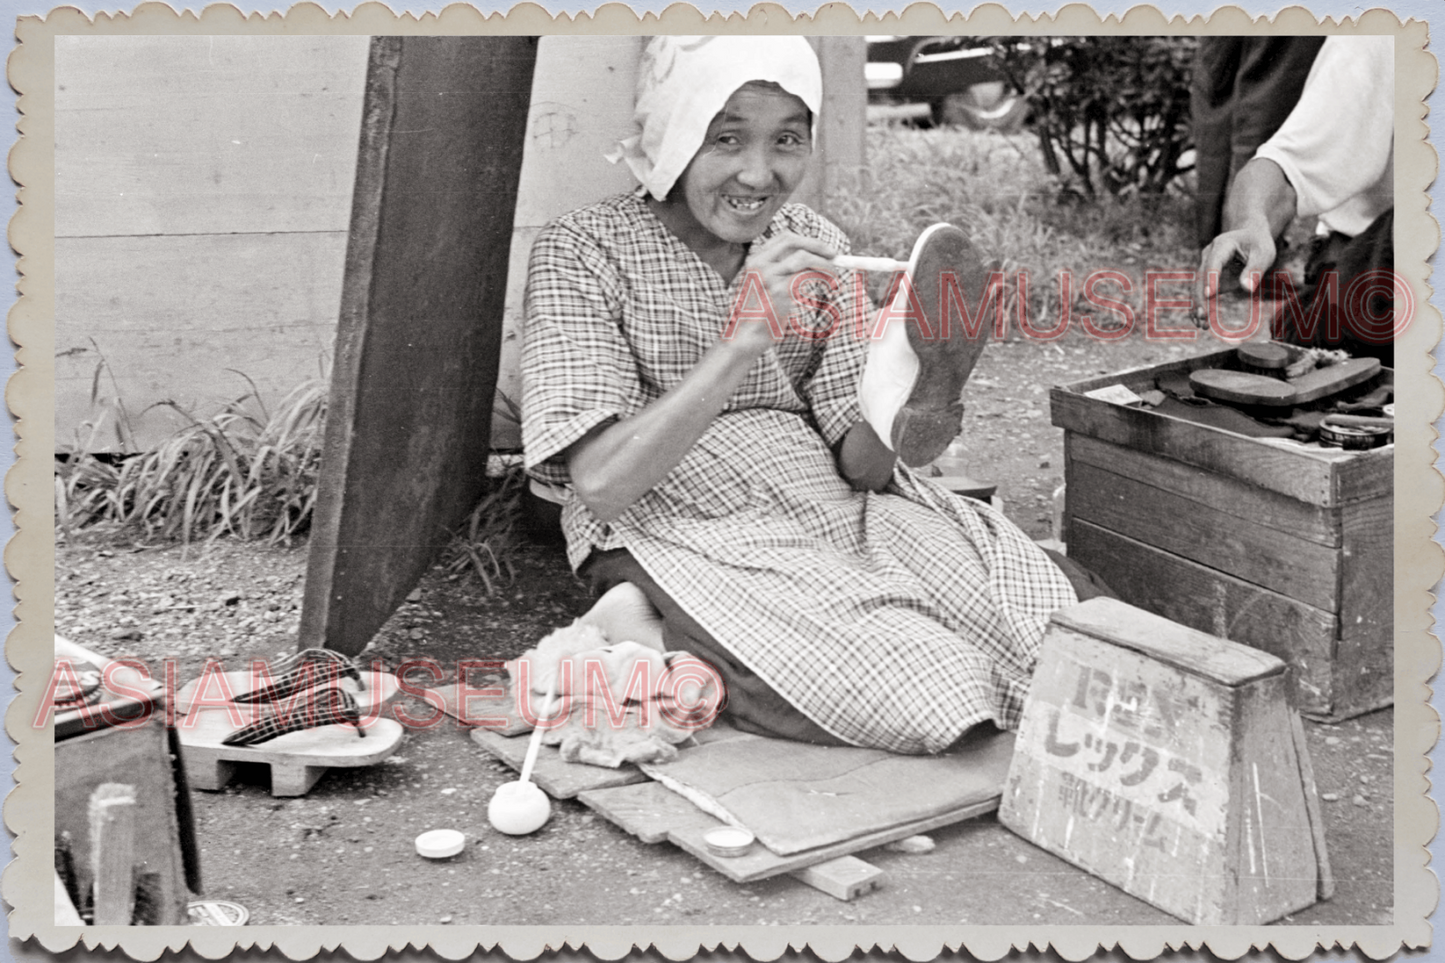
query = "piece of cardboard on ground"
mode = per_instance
[
  {"x": 796, "y": 797},
  {"x": 653, "y": 813}
]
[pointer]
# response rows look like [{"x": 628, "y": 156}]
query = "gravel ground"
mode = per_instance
[{"x": 343, "y": 854}]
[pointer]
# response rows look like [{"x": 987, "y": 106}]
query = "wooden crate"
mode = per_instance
[
  {"x": 1169, "y": 763},
  {"x": 1282, "y": 548}
]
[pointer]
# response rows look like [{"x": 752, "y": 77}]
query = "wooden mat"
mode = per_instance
[
  {"x": 560, "y": 780},
  {"x": 811, "y": 803},
  {"x": 797, "y": 797},
  {"x": 654, "y": 814}
]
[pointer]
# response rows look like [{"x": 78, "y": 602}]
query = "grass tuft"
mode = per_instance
[
  {"x": 244, "y": 471},
  {"x": 485, "y": 543}
]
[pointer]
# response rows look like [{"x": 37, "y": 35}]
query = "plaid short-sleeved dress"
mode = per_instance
[{"x": 896, "y": 620}]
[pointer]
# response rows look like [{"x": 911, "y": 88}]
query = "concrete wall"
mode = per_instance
[{"x": 203, "y": 192}]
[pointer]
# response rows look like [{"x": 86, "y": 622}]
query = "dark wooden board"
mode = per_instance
[
  {"x": 1211, "y": 601},
  {"x": 1219, "y": 492},
  {"x": 654, "y": 814},
  {"x": 1279, "y": 561},
  {"x": 405, "y": 453}
]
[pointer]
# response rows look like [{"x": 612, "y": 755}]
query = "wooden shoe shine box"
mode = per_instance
[{"x": 1285, "y": 548}]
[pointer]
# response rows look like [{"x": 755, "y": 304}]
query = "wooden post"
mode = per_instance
[
  {"x": 421, "y": 318},
  {"x": 843, "y": 120},
  {"x": 112, "y": 852}
]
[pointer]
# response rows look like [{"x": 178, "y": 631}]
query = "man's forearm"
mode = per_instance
[{"x": 1260, "y": 196}]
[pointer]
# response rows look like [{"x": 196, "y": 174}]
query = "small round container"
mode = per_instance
[
  {"x": 728, "y": 841},
  {"x": 440, "y": 843},
  {"x": 217, "y": 912},
  {"x": 1353, "y": 438}
]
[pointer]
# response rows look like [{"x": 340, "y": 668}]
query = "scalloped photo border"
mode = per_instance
[{"x": 30, "y": 555}]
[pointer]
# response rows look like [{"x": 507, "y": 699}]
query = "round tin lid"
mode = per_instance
[
  {"x": 440, "y": 843},
  {"x": 217, "y": 912},
  {"x": 728, "y": 841}
]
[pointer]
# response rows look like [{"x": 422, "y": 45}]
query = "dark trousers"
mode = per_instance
[
  {"x": 1347, "y": 259},
  {"x": 752, "y": 705},
  {"x": 1242, "y": 90}
]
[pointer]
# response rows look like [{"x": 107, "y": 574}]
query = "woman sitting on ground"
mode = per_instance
[{"x": 730, "y": 473}]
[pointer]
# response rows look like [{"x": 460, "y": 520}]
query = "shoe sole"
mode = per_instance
[{"x": 933, "y": 415}]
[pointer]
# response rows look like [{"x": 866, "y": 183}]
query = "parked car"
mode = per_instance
[{"x": 941, "y": 80}]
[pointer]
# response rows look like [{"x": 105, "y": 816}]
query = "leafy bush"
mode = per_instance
[{"x": 1111, "y": 112}]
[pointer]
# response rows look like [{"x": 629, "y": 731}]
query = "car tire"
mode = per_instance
[{"x": 983, "y": 107}]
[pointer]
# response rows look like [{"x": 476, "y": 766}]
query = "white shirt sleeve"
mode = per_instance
[{"x": 1337, "y": 146}]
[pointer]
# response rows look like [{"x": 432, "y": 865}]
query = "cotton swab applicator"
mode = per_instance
[
  {"x": 857, "y": 262},
  {"x": 518, "y": 808}
]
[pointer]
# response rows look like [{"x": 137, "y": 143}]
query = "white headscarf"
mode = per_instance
[{"x": 682, "y": 83}]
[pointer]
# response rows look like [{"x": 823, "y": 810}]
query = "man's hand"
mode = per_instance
[
  {"x": 1260, "y": 205},
  {"x": 1253, "y": 244}
]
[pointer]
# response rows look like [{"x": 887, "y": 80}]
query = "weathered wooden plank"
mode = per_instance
[
  {"x": 1211, "y": 601},
  {"x": 425, "y": 282},
  {"x": 647, "y": 810},
  {"x": 1122, "y": 768},
  {"x": 582, "y": 101},
  {"x": 1369, "y": 474},
  {"x": 797, "y": 797},
  {"x": 653, "y": 813},
  {"x": 1210, "y": 488},
  {"x": 169, "y": 315},
  {"x": 1179, "y": 787},
  {"x": 1326, "y": 888},
  {"x": 205, "y": 134},
  {"x": 1296, "y": 473},
  {"x": 113, "y": 852},
  {"x": 1277, "y": 560},
  {"x": 1363, "y": 678},
  {"x": 560, "y": 779},
  {"x": 1274, "y": 869},
  {"x": 841, "y": 122},
  {"x": 138, "y": 757},
  {"x": 1323, "y": 477},
  {"x": 844, "y": 878},
  {"x": 1367, "y": 576},
  {"x": 1365, "y": 655},
  {"x": 1127, "y": 626}
]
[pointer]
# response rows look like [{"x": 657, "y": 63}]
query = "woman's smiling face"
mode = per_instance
[{"x": 753, "y": 157}]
